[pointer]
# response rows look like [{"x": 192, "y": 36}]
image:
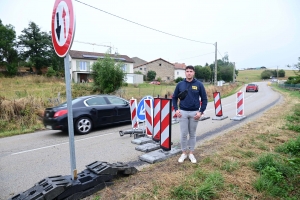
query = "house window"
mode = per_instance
[
  {"x": 159, "y": 64},
  {"x": 145, "y": 69},
  {"x": 177, "y": 73},
  {"x": 141, "y": 69},
  {"x": 168, "y": 78},
  {"x": 123, "y": 67},
  {"x": 83, "y": 66}
]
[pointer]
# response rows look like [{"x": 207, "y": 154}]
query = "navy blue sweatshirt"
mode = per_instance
[{"x": 191, "y": 101}]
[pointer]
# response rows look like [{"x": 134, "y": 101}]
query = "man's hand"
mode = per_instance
[
  {"x": 178, "y": 114},
  {"x": 198, "y": 115}
]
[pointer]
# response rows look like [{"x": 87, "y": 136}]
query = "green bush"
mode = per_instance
[
  {"x": 293, "y": 80},
  {"x": 51, "y": 72},
  {"x": 12, "y": 69},
  {"x": 177, "y": 80}
]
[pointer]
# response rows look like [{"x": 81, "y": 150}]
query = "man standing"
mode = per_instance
[{"x": 188, "y": 91}]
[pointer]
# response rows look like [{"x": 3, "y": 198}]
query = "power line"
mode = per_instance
[
  {"x": 142, "y": 24},
  {"x": 220, "y": 53},
  {"x": 92, "y": 44},
  {"x": 195, "y": 56}
]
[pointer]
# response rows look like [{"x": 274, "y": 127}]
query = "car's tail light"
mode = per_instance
[{"x": 60, "y": 113}]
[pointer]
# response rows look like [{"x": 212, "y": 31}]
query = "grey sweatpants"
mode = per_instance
[{"x": 188, "y": 126}]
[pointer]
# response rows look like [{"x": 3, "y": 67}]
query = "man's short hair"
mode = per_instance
[{"x": 190, "y": 67}]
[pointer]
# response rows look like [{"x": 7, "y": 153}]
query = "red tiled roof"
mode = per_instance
[{"x": 179, "y": 65}]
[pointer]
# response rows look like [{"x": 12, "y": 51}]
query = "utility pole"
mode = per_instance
[
  {"x": 233, "y": 78},
  {"x": 216, "y": 65},
  {"x": 277, "y": 73}
]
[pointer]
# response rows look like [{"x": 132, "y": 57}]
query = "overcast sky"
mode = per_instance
[{"x": 253, "y": 33}]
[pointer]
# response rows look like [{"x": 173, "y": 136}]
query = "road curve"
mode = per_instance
[{"x": 27, "y": 159}]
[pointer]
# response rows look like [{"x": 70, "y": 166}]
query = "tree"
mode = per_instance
[
  {"x": 8, "y": 53},
  {"x": 281, "y": 73},
  {"x": 151, "y": 75},
  {"x": 107, "y": 74},
  {"x": 202, "y": 73},
  {"x": 266, "y": 74},
  {"x": 57, "y": 62},
  {"x": 198, "y": 72},
  {"x": 227, "y": 73},
  {"x": 36, "y": 46}
]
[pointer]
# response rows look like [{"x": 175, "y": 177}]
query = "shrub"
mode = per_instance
[
  {"x": 177, "y": 80},
  {"x": 51, "y": 72}
]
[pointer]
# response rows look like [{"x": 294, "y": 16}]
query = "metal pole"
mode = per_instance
[
  {"x": 233, "y": 78},
  {"x": 70, "y": 118},
  {"x": 216, "y": 65}
]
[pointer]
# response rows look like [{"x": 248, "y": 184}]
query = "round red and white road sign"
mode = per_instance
[{"x": 62, "y": 26}]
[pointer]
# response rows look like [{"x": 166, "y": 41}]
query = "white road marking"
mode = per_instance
[
  {"x": 21, "y": 152},
  {"x": 59, "y": 144}
]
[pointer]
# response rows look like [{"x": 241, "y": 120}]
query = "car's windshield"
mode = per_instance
[{"x": 251, "y": 85}]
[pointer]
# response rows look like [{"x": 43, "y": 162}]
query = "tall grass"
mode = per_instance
[{"x": 24, "y": 99}]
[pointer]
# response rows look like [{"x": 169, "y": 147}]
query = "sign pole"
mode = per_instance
[
  {"x": 70, "y": 117},
  {"x": 62, "y": 33}
]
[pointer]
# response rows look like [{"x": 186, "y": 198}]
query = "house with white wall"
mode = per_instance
[
  {"x": 179, "y": 70},
  {"x": 81, "y": 66}
]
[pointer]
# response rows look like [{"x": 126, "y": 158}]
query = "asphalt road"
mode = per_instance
[{"x": 27, "y": 159}]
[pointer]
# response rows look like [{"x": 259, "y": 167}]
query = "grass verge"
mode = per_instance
[{"x": 259, "y": 160}]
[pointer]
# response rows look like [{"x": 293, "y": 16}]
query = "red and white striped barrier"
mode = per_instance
[
  {"x": 156, "y": 120},
  {"x": 239, "y": 106},
  {"x": 149, "y": 116},
  {"x": 133, "y": 110},
  {"x": 218, "y": 107},
  {"x": 165, "y": 140}
]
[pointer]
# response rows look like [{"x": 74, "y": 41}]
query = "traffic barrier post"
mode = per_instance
[
  {"x": 239, "y": 107},
  {"x": 149, "y": 116},
  {"x": 156, "y": 121},
  {"x": 165, "y": 140},
  {"x": 218, "y": 107},
  {"x": 136, "y": 130},
  {"x": 134, "y": 119}
]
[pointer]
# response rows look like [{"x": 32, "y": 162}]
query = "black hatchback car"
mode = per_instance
[{"x": 88, "y": 112}]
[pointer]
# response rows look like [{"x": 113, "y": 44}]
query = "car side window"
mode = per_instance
[
  {"x": 96, "y": 101},
  {"x": 115, "y": 100}
]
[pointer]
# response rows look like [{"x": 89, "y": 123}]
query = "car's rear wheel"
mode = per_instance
[{"x": 83, "y": 125}]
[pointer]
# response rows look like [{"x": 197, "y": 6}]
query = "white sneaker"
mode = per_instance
[
  {"x": 182, "y": 158},
  {"x": 192, "y": 158}
]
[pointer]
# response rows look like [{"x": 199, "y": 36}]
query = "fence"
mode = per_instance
[{"x": 290, "y": 86}]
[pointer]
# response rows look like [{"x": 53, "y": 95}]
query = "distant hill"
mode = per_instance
[{"x": 248, "y": 76}]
